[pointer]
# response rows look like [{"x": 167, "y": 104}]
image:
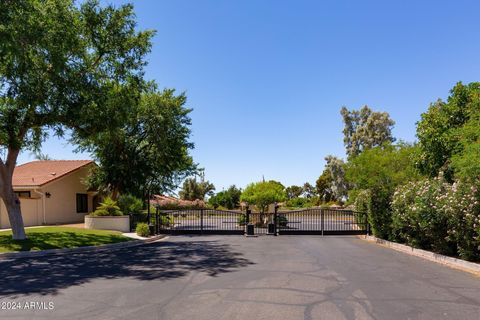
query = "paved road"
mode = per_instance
[{"x": 231, "y": 277}]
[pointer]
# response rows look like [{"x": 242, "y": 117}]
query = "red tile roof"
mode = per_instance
[{"x": 38, "y": 173}]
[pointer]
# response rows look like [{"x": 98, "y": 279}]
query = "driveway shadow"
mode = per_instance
[{"x": 161, "y": 260}]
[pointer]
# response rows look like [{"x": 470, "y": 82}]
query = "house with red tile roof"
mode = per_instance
[{"x": 52, "y": 192}]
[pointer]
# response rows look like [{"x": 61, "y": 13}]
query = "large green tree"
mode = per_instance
[
  {"x": 365, "y": 129},
  {"x": 61, "y": 64},
  {"x": 194, "y": 189},
  {"x": 148, "y": 153},
  {"x": 379, "y": 171},
  {"x": 308, "y": 190},
  {"x": 441, "y": 133},
  {"x": 262, "y": 194},
  {"x": 466, "y": 164},
  {"x": 338, "y": 183},
  {"x": 229, "y": 198},
  {"x": 323, "y": 186},
  {"x": 294, "y": 191}
]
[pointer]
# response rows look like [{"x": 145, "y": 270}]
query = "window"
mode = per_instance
[
  {"x": 23, "y": 194},
  {"x": 82, "y": 203}
]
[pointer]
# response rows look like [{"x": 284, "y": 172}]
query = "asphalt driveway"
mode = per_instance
[{"x": 232, "y": 277}]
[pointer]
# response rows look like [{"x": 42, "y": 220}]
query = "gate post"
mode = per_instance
[
  {"x": 322, "y": 217},
  {"x": 367, "y": 225},
  {"x": 275, "y": 220},
  {"x": 157, "y": 223},
  {"x": 249, "y": 228},
  {"x": 201, "y": 221}
]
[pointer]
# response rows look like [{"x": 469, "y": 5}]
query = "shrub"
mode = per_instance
[
  {"x": 108, "y": 207},
  {"x": 165, "y": 220},
  {"x": 142, "y": 230},
  {"x": 418, "y": 216},
  {"x": 436, "y": 215},
  {"x": 362, "y": 205},
  {"x": 298, "y": 203},
  {"x": 376, "y": 204},
  {"x": 130, "y": 204},
  {"x": 282, "y": 220},
  {"x": 242, "y": 220}
]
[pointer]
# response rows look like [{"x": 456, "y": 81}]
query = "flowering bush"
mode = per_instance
[{"x": 433, "y": 214}]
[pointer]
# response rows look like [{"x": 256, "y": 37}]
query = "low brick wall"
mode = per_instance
[
  {"x": 435, "y": 257},
  {"x": 118, "y": 223}
]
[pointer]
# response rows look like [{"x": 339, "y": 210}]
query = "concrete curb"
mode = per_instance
[
  {"x": 455, "y": 263},
  {"x": 96, "y": 249}
]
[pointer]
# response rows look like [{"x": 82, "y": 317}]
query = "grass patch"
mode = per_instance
[{"x": 57, "y": 238}]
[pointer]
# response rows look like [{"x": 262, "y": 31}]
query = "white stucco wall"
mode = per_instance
[
  {"x": 31, "y": 213},
  {"x": 60, "y": 208}
]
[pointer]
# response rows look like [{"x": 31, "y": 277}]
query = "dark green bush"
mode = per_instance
[
  {"x": 376, "y": 204},
  {"x": 142, "y": 230},
  {"x": 130, "y": 204},
  {"x": 282, "y": 220},
  {"x": 242, "y": 219},
  {"x": 298, "y": 203}
]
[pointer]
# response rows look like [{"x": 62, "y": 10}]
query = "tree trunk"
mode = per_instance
[
  {"x": 14, "y": 215},
  {"x": 114, "y": 194},
  {"x": 12, "y": 203}
]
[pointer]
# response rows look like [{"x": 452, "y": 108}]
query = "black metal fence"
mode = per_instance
[
  {"x": 294, "y": 222},
  {"x": 201, "y": 221},
  {"x": 322, "y": 221}
]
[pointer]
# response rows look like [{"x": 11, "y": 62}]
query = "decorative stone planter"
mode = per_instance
[{"x": 118, "y": 223}]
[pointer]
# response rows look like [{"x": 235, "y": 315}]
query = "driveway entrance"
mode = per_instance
[{"x": 225, "y": 277}]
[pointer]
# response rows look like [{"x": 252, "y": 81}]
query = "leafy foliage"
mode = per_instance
[
  {"x": 323, "y": 186},
  {"x": 294, "y": 191},
  {"x": 441, "y": 133},
  {"x": 148, "y": 153},
  {"x": 298, "y": 202},
  {"x": 365, "y": 129},
  {"x": 63, "y": 66},
  {"x": 108, "y": 207},
  {"x": 130, "y": 204},
  {"x": 436, "y": 215},
  {"x": 308, "y": 190},
  {"x": 229, "y": 198},
  {"x": 338, "y": 183},
  {"x": 262, "y": 194},
  {"x": 378, "y": 171},
  {"x": 193, "y": 189},
  {"x": 465, "y": 163},
  {"x": 142, "y": 230}
]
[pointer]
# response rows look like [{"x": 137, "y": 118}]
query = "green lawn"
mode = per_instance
[{"x": 58, "y": 237}]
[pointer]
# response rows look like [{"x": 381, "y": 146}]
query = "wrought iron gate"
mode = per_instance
[
  {"x": 200, "y": 221},
  {"x": 311, "y": 221}
]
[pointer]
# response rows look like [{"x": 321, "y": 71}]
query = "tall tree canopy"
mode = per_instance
[
  {"x": 338, "y": 184},
  {"x": 365, "y": 129},
  {"x": 441, "y": 133},
  {"x": 294, "y": 191},
  {"x": 323, "y": 186},
  {"x": 194, "y": 189},
  {"x": 61, "y": 65},
  {"x": 378, "y": 171},
  {"x": 308, "y": 190},
  {"x": 229, "y": 198},
  {"x": 262, "y": 194},
  {"x": 149, "y": 152}
]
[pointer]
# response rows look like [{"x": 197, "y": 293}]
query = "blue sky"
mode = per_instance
[{"x": 266, "y": 79}]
